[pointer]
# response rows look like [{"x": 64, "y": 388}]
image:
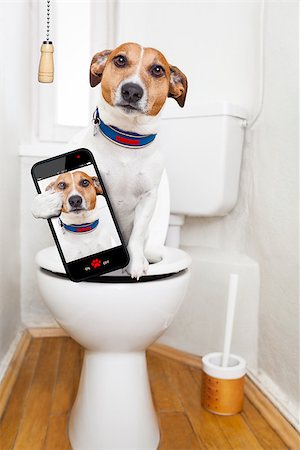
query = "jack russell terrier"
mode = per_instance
[
  {"x": 78, "y": 228},
  {"x": 136, "y": 82}
]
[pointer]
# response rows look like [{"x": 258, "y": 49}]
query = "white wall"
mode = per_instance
[
  {"x": 272, "y": 230},
  {"x": 14, "y": 19}
]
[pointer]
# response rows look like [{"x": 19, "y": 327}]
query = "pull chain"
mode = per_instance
[
  {"x": 48, "y": 21},
  {"x": 46, "y": 67}
]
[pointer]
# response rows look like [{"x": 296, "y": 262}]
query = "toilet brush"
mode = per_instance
[
  {"x": 224, "y": 373},
  {"x": 231, "y": 302}
]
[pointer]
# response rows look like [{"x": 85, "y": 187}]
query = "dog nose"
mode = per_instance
[
  {"x": 132, "y": 92},
  {"x": 75, "y": 201}
]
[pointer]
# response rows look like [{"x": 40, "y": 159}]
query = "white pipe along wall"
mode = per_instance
[{"x": 217, "y": 45}]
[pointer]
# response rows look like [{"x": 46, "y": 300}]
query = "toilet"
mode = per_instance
[{"x": 116, "y": 318}]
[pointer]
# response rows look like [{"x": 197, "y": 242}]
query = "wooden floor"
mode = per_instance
[{"x": 37, "y": 412}]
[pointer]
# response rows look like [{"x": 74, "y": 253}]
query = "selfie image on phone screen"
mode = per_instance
[
  {"x": 85, "y": 231},
  {"x": 85, "y": 225}
]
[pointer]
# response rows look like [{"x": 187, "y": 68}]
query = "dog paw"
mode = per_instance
[
  {"x": 137, "y": 267},
  {"x": 47, "y": 205},
  {"x": 153, "y": 255}
]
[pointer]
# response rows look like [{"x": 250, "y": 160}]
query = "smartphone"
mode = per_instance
[{"x": 86, "y": 231}]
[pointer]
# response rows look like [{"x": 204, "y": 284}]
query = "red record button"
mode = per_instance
[{"x": 96, "y": 263}]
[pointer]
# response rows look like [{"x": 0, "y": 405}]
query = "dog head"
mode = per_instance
[
  {"x": 137, "y": 80},
  {"x": 79, "y": 191}
]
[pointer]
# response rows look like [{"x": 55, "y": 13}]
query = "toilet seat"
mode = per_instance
[{"x": 174, "y": 261}]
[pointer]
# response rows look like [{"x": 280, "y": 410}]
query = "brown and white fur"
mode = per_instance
[
  {"x": 135, "y": 83},
  {"x": 78, "y": 192}
]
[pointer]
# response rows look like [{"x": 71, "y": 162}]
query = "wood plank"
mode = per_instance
[
  {"x": 197, "y": 375},
  {"x": 57, "y": 434},
  {"x": 266, "y": 436},
  {"x": 33, "y": 427},
  {"x": 177, "y": 433},
  {"x": 237, "y": 432},
  {"x": 67, "y": 377},
  {"x": 204, "y": 423},
  {"x": 10, "y": 422},
  {"x": 12, "y": 372},
  {"x": 164, "y": 395}
]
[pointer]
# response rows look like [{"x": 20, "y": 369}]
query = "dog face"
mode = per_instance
[
  {"x": 137, "y": 80},
  {"x": 79, "y": 191}
]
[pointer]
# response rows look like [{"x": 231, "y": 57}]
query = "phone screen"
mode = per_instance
[{"x": 86, "y": 231}]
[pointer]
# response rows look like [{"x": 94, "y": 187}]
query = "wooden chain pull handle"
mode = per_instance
[{"x": 46, "y": 67}]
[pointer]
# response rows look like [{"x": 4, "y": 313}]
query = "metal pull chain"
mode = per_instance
[
  {"x": 46, "y": 66},
  {"x": 48, "y": 21}
]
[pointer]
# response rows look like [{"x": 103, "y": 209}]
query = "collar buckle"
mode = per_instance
[{"x": 96, "y": 121}]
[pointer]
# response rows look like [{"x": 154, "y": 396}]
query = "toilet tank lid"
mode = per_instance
[{"x": 213, "y": 109}]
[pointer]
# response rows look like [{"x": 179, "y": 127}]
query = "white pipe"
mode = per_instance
[
  {"x": 232, "y": 294},
  {"x": 256, "y": 116}
]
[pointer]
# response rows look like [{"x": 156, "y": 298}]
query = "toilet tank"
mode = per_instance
[{"x": 203, "y": 153}]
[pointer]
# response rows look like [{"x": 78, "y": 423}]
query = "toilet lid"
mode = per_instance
[{"x": 174, "y": 260}]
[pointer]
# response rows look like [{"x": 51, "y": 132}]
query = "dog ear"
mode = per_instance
[
  {"x": 50, "y": 186},
  {"x": 97, "y": 67},
  {"x": 178, "y": 85},
  {"x": 97, "y": 185}
]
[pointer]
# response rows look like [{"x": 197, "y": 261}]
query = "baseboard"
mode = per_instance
[
  {"x": 12, "y": 371},
  {"x": 176, "y": 355},
  {"x": 272, "y": 415},
  {"x": 47, "y": 332}
]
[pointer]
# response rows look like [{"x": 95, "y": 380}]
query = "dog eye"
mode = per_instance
[
  {"x": 84, "y": 183},
  {"x": 157, "y": 71},
  {"x": 61, "y": 185},
  {"x": 120, "y": 61}
]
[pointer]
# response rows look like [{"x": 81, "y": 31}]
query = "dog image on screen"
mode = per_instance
[{"x": 79, "y": 227}]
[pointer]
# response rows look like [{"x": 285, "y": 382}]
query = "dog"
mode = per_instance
[
  {"x": 79, "y": 227},
  {"x": 135, "y": 83}
]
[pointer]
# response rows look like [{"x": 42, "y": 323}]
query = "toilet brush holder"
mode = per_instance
[{"x": 223, "y": 387}]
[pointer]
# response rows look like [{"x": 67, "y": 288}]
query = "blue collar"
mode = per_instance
[
  {"x": 82, "y": 228},
  {"x": 120, "y": 137}
]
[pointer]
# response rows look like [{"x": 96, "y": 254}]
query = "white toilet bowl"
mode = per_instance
[{"x": 115, "y": 319}]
